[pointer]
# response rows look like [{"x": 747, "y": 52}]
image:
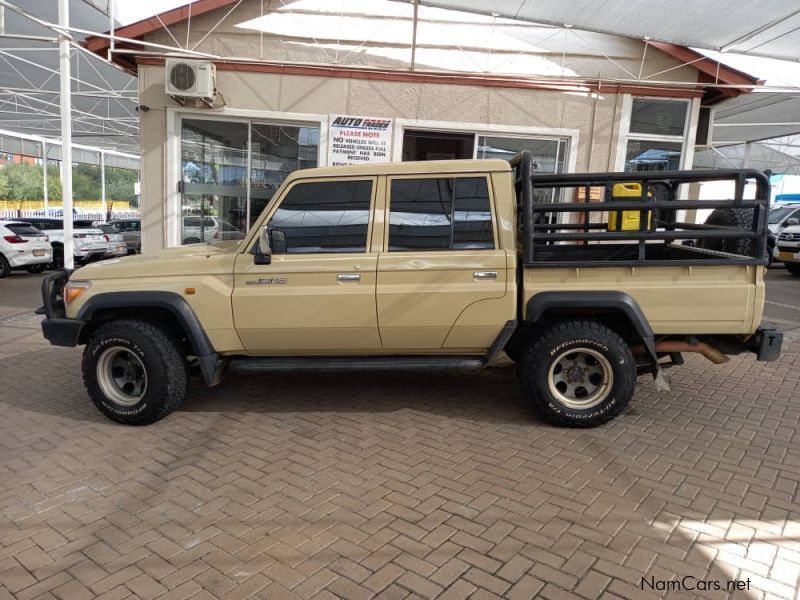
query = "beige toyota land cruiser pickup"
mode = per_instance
[{"x": 584, "y": 280}]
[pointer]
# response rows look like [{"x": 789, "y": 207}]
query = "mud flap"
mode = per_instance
[{"x": 661, "y": 380}]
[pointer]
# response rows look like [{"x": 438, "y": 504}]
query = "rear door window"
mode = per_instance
[{"x": 448, "y": 213}]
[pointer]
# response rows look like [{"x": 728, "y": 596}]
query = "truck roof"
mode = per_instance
[{"x": 406, "y": 168}]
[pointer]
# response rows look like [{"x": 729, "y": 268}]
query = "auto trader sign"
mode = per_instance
[{"x": 356, "y": 140}]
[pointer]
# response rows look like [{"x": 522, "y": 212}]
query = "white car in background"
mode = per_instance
[
  {"x": 115, "y": 243},
  {"x": 22, "y": 246},
  {"x": 89, "y": 242},
  {"x": 209, "y": 229},
  {"x": 789, "y": 249},
  {"x": 780, "y": 217}
]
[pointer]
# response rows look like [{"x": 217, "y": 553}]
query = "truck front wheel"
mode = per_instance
[
  {"x": 578, "y": 373},
  {"x": 134, "y": 372},
  {"x": 793, "y": 268}
]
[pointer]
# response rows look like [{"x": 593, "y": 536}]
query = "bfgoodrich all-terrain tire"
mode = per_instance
[
  {"x": 730, "y": 217},
  {"x": 134, "y": 372},
  {"x": 578, "y": 373}
]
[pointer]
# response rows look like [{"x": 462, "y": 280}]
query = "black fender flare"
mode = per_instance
[
  {"x": 619, "y": 302},
  {"x": 178, "y": 307}
]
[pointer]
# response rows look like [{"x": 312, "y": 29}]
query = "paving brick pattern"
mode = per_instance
[{"x": 413, "y": 485}]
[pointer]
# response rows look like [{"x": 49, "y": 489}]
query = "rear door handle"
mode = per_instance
[
  {"x": 485, "y": 274},
  {"x": 348, "y": 277}
]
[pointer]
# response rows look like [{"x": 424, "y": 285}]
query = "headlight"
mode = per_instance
[{"x": 74, "y": 290}]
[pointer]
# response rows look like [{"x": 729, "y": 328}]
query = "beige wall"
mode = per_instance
[
  {"x": 293, "y": 35},
  {"x": 594, "y": 119}
]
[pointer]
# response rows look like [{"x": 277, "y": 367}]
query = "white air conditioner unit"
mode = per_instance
[{"x": 191, "y": 79}]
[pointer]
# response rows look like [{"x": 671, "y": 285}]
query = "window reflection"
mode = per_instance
[
  {"x": 324, "y": 217},
  {"x": 440, "y": 214}
]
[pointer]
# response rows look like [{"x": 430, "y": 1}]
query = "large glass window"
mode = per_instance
[
  {"x": 214, "y": 178},
  {"x": 231, "y": 169},
  {"x": 276, "y": 151},
  {"x": 649, "y": 155},
  {"x": 655, "y": 139},
  {"x": 440, "y": 214},
  {"x": 659, "y": 117},
  {"x": 322, "y": 217}
]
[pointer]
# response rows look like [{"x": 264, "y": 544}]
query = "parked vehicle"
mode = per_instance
[
  {"x": 22, "y": 246},
  {"x": 781, "y": 216},
  {"x": 115, "y": 242},
  {"x": 208, "y": 229},
  {"x": 789, "y": 249},
  {"x": 131, "y": 230},
  {"x": 89, "y": 243},
  {"x": 441, "y": 264}
]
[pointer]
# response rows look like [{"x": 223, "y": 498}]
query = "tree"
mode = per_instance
[
  {"x": 25, "y": 182},
  {"x": 3, "y": 185}
]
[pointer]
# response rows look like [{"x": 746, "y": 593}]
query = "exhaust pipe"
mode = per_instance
[{"x": 712, "y": 354}]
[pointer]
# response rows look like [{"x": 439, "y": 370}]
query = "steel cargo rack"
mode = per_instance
[{"x": 580, "y": 231}]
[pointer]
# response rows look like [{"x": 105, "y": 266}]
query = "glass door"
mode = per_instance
[
  {"x": 213, "y": 180},
  {"x": 276, "y": 151}
]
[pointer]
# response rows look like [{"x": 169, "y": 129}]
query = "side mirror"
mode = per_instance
[
  {"x": 262, "y": 253},
  {"x": 278, "y": 241},
  {"x": 793, "y": 221}
]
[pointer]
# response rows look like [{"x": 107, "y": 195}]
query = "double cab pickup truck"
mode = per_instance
[{"x": 585, "y": 281}]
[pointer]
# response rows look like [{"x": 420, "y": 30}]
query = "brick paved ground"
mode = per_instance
[{"x": 397, "y": 486}]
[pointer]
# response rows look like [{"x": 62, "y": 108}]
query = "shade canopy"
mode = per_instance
[
  {"x": 768, "y": 28},
  {"x": 104, "y": 97}
]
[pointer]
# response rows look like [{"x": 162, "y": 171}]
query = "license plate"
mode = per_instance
[
  {"x": 38, "y": 252},
  {"x": 786, "y": 255}
]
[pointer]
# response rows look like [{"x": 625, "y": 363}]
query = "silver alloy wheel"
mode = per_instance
[
  {"x": 122, "y": 376},
  {"x": 580, "y": 378}
]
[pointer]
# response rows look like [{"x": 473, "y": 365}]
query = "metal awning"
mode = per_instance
[
  {"x": 103, "y": 98},
  {"x": 769, "y": 28}
]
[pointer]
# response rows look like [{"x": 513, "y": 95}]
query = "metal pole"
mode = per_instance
[
  {"x": 111, "y": 30},
  {"x": 66, "y": 131},
  {"x": 414, "y": 35},
  {"x": 44, "y": 168},
  {"x": 103, "y": 180}
]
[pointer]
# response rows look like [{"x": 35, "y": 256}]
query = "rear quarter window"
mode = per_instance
[{"x": 24, "y": 230}]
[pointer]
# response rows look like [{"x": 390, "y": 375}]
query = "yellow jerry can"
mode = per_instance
[{"x": 626, "y": 220}]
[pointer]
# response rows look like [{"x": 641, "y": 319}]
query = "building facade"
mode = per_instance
[{"x": 310, "y": 84}]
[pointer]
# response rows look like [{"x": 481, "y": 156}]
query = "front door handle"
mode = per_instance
[
  {"x": 485, "y": 274},
  {"x": 348, "y": 277}
]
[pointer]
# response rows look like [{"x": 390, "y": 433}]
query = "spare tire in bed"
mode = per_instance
[{"x": 730, "y": 217}]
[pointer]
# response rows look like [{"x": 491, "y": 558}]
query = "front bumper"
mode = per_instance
[{"x": 56, "y": 327}]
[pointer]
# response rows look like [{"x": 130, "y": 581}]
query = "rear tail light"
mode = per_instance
[
  {"x": 47, "y": 238},
  {"x": 108, "y": 239},
  {"x": 216, "y": 235},
  {"x": 14, "y": 239}
]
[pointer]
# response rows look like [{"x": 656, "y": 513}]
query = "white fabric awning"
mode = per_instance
[{"x": 769, "y": 28}]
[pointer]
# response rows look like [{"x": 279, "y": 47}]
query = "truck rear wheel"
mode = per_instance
[
  {"x": 578, "y": 373},
  {"x": 134, "y": 372}
]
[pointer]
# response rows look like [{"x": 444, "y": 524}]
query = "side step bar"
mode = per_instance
[{"x": 352, "y": 363}]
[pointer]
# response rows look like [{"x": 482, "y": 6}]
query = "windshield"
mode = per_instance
[{"x": 779, "y": 213}]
